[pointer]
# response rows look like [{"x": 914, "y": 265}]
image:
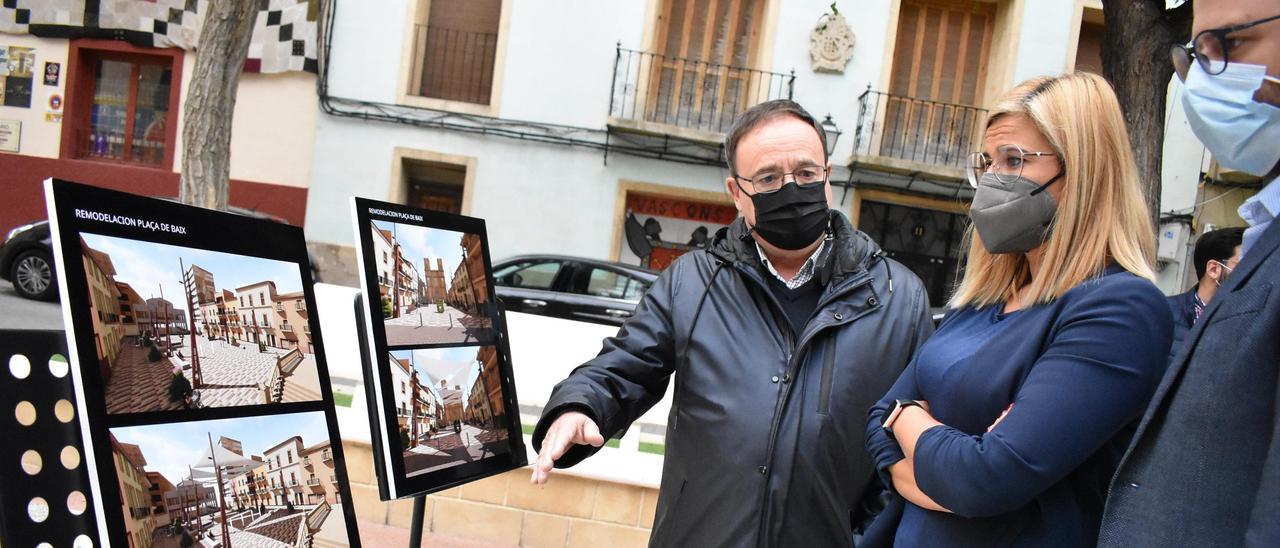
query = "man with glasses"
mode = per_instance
[
  {"x": 1204, "y": 465},
  {"x": 780, "y": 335},
  {"x": 1216, "y": 255}
]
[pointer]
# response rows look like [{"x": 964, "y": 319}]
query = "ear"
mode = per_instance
[{"x": 731, "y": 187}]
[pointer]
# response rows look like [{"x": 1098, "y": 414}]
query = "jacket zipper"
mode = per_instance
[
  {"x": 793, "y": 354},
  {"x": 828, "y": 359}
]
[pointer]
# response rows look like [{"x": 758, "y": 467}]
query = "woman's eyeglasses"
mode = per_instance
[{"x": 1006, "y": 165}]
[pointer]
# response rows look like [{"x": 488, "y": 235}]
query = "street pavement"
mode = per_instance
[
  {"x": 426, "y": 326},
  {"x": 19, "y": 313},
  {"x": 449, "y": 449}
]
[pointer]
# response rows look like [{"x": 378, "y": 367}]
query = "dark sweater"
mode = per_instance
[
  {"x": 798, "y": 303},
  {"x": 1078, "y": 371}
]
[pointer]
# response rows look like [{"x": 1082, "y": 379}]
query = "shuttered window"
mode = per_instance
[
  {"x": 702, "y": 72},
  {"x": 939, "y": 69}
]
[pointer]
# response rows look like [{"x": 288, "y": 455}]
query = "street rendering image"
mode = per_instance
[
  {"x": 180, "y": 328},
  {"x": 432, "y": 285},
  {"x": 449, "y": 405},
  {"x": 260, "y": 482}
]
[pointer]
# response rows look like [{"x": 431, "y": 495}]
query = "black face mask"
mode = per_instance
[{"x": 793, "y": 217}]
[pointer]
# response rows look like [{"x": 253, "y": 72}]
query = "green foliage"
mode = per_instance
[
  {"x": 404, "y": 437},
  {"x": 386, "y": 307},
  {"x": 262, "y": 347},
  {"x": 179, "y": 388}
]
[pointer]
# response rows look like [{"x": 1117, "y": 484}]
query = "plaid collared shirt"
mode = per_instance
[{"x": 806, "y": 271}]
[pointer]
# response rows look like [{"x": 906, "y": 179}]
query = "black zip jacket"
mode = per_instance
[{"x": 765, "y": 436}]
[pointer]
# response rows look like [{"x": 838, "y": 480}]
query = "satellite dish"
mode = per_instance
[{"x": 636, "y": 237}]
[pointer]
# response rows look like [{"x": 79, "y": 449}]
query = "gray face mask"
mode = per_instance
[{"x": 1012, "y": 215}]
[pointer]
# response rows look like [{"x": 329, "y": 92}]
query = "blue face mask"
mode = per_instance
[{"x": 1242, "y": 134}]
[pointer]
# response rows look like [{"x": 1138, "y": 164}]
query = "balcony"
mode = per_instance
[
  {"x": 689, "y": 94},
  {"x": 314, "y": 482},
  {"x": 280, "y": 308},
  {"x": 326, "y": 455},
  {"x": 915, "y": 135},
  {"x": 306, "y": 462},
  {"x": 452, "y": 64},
  {"x": 140, "y": 513},
  {"x": 287, "y": 331}
]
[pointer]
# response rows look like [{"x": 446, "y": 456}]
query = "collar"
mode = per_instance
[
  {"x": 806, "y": 271},
  {"x": 1263, "y": 206}
]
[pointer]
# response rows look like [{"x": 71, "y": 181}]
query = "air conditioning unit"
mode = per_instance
[{"x": 1171, "y": 246}]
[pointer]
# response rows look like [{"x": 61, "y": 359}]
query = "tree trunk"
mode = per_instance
[
  {"x": 1135, "y": 59},
  {"x": 211, "y": 102}
]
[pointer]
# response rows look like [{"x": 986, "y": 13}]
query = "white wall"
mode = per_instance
[
  {"x": 538, "y": 198},
  {"x": 39, "y": 137},
  {"x": 1044, "y": 39}
]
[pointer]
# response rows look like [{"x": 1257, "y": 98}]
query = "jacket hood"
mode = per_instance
[{"x": 851, "y": 250}]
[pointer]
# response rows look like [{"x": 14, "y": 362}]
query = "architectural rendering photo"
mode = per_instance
[
  {"x": 261, "y": 482},
  {"x": 432, "y": 285},
  {"x": 180, "y": 328},
  {"x": 449, "y": 406}
]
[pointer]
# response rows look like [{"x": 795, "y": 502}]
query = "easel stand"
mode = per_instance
[
  {"x": 420, "y": 501},
  {"x": 415, "y": 522}
]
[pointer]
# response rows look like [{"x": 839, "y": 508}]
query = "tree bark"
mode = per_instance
[
  {"x": 211, "y": 102},
  {"x": 1135, "y": 59}
]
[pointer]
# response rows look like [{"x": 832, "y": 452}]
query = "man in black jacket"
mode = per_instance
[
  {"x": 780, "y": 335},
  {"x": 1204, "y": 465}
]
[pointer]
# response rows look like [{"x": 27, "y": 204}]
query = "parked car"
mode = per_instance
[
  {"x": 26, "y": 261},
  {"x": 573, "y": 288}
]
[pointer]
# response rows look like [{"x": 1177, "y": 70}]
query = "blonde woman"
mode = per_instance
[{"x": 1010, "y": 421}]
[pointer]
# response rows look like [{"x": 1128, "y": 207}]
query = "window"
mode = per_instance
[
  {"x": 529, "y": 275},
  {"x": 703, "y": 45},
  {"x": 123, "y": 103},
  {"x": 939, "y": 69},
  {"x": 454, "y": 51},
  {"x": 607, "y": 283}
]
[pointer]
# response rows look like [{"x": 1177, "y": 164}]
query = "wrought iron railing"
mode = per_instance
[
  {"x": 917, "y": 130},
  {"x": 689, "y": 93},
  {"x": 453, "y": 64}
]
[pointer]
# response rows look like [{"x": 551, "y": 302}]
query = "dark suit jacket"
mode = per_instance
[
  {"x": 1204, "y": 465},
  {"x": 1183, "y": 307}
]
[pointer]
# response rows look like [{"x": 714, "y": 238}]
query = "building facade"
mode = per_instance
[
  {"x": 285, "y": 472},
  {"x": 321, "y": 479},
  {"x": 491, "y": 374},
  {"x": 292, "y": 328},
  {"x": 108, "y": 112},
  {"x": 104, "y": 307},
  {"x": 435, "y": 280},
  {"x": 135, "y": 492},
  {"x": 157, "y": 486},
  {"x": 256, "y": 306},
  {"x": 634, "y": 144}
]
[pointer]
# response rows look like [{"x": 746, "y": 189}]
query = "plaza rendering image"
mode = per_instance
[
  {"x": 432, "y": 285},
  {"x": 449, "y": 406},
  {"x": 180, "y": 328},
  {"x": 260, "y": 482}
]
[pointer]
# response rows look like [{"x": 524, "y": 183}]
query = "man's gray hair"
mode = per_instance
[{"x": 761, "y": 113}]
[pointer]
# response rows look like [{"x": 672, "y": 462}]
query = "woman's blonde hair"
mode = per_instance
[{"x": 1102, "y": 217}]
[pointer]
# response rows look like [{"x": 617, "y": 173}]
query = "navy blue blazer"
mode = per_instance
[
  {"x": 1204, "y": 465},
  {"x": 1183, "y": 308}
]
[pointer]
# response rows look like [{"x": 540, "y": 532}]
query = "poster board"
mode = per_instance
[
  {"x": 199, "y": 372},
  {"x": 443, "y": 399}
]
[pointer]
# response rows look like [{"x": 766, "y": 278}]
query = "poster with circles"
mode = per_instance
[{"x": 200, "y": 387}]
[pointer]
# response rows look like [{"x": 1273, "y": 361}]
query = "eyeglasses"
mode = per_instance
[
  {"x": 772, "y": 181},
  {"x": 1006, "y": 165},
  {"x": 1211, "y": 49}
]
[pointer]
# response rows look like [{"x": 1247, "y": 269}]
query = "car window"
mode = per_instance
[
  {"x": 607, "y": 283},
  {"x": 635, "y": 290},
  {"x": 529, "y": 275}
]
